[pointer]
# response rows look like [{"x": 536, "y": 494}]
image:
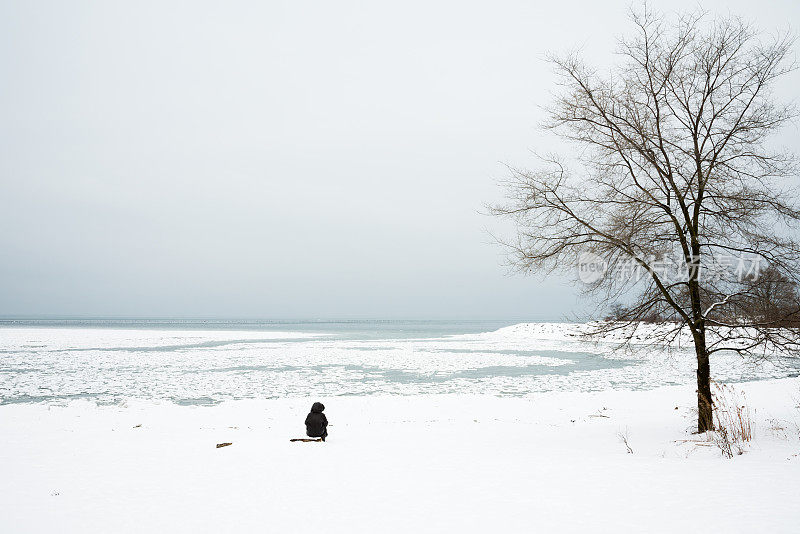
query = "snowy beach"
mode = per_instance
[
  {"x": 111, "y": 429},
  {"x": 433, "y": 463}
]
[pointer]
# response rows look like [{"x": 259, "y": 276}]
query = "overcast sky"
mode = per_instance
[{"x": 279, "y": 159}]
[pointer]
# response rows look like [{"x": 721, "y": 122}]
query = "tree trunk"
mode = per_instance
[
  {"x": 705, "y": 409},
  {"x": 705, "y": 413}
]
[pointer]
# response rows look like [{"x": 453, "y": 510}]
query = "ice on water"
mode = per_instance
[{"x": 110, "y": 365}]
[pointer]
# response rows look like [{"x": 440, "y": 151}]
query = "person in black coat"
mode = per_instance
[{"x": 316, "y": 422}]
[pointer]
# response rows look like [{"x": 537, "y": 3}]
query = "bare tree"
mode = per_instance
[{"x": 671, "y": 167}]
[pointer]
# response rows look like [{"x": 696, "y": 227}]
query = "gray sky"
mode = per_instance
[{"x": 279, "y": 159}]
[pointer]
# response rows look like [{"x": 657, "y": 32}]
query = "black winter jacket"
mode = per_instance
[{"x": 316, "y": 422}]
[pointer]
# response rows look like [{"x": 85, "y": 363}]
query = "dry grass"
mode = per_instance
[
  {"x": 623, "y": 437},
  {"x": 732, "y": 420}
]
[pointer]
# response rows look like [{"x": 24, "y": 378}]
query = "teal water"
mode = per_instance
[{"x": 338, "y": 328}]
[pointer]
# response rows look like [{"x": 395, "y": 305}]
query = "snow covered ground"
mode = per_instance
[
  {"x": 519, "y": 429},
  {"x": 425, "y": 463}
]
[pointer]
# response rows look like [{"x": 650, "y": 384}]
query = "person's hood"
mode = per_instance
[{"x": 317, "y": 407}]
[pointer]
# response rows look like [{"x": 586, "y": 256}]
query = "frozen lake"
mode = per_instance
[{"x": 201, "y": 362}]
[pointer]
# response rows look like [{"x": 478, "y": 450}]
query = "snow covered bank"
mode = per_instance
[
  {"x": 430, "y": 463},
  {"x": 637, "y": 335}
]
